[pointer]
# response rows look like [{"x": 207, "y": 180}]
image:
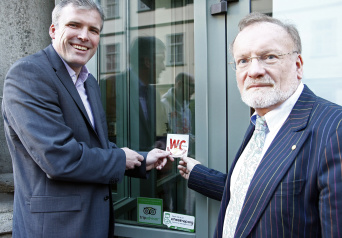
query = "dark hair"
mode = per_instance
[
  {"x": 184, "y": 77},
  {"x": 81, "y": 4},
  {"x": 145, "y": 47},
  {"x": 256, "y": 17}
]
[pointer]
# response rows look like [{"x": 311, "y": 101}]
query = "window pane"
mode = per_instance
[
  {"x": 147, "y": 89},
  {"x": 112, "y": 57},
  {"x": 175, "y": 49},
  {"x": 112, "y": 8}
]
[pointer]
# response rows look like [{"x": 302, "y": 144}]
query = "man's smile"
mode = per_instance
[{"x": 79, "y": 47}]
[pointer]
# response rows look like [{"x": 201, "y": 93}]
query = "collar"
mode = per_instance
[
  {"x": 276, "y": 118},
  {"x": 82, "y": 77}
]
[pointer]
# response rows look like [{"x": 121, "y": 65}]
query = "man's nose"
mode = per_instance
[
  {"x": 256, "y": 68},
  {"x": 83, "y": 34}
]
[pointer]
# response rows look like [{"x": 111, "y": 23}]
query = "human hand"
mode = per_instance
[
  {"x": 132, "y": 158},
  {"x": 157, "y": 158},
  {"x": 186, "y": 164}
]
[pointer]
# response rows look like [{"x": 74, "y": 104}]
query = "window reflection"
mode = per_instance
[
  {"x": 112, "y": 8},
  {"x": 147, "y": 87},
  {"x": 146, "y": 65},
  {"x": 320, "y": 39},
  {"x": 179, "y": 106},
  {"x": 175, "y": 47}
]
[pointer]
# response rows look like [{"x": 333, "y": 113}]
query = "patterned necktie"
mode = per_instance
[{"x": 252, "y": 159}]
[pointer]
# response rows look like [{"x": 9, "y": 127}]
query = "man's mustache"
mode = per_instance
[{"x": 249, "y": 83}]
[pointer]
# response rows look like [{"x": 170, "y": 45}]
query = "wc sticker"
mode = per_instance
[{"x": 177, "y": 144}]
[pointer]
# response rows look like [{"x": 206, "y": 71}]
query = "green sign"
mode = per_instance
[{"x": 150, "y": 211}]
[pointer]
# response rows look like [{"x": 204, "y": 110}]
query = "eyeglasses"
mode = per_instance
[{"x": 265, "y": 60}]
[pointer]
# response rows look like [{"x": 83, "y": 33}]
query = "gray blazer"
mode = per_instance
[{"x": 62, "y": 165}]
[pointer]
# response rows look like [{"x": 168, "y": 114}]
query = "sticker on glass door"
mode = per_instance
[
  {"x": 177, "y": 144},
  {"x": 179, "y": 221},
  {"x": 150, "y": 210}
]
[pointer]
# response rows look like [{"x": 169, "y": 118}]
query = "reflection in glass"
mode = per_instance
[
  {"x": 320, "y": 40},
  {"x": 147, "y": 88},
  {"x": 146, "y": 65}
]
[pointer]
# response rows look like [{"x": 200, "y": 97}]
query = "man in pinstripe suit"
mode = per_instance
[{"x": 296, "y": 190}]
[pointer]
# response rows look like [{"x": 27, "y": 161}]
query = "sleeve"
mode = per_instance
[
  {"x": 37, "y": 130},
  {"x": 330, "y": 186},
  {"x": 208, "y": 182}
]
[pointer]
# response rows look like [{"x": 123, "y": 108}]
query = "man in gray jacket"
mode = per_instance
[{"x": 56, "y": 131}]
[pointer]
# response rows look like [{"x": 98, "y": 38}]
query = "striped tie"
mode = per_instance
[{"x": 250, "y": 164}]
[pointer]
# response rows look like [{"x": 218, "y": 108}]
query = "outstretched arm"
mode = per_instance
[{"x": 208, "y": 182}]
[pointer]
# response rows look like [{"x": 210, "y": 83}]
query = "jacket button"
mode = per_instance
[{"x": 106, "y": 198}]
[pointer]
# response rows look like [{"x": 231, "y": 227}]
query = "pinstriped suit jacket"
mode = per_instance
[{"x": 297, "y": 188}]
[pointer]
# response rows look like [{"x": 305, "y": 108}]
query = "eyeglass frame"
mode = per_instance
[{"x": 233, "y": 64}]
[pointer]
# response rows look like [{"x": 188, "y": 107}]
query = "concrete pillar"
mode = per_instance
[{"x": 23, "y": 30}]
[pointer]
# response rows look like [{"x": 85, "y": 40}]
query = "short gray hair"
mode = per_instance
[
  {"x": 81, "y": 4},
  {"x": 256, "y": 17}
]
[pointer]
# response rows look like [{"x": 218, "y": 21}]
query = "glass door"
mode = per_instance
[
  {"x": 150, "y": 87},
  {"x": 146, "y": 64}
]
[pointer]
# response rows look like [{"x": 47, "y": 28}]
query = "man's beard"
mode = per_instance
[{"x": 267, "y": 96}]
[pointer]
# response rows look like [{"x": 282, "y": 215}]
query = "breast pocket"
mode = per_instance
[{"x": 290, "y": 188}]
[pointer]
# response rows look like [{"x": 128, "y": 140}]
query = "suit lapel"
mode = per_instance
[
  {"x": 275, "y": 163},
  {"x": 96, "y": 104},
  {"x": 64, "y": 77}
]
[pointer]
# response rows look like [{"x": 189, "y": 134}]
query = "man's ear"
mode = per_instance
[
  {"x": 52, "y": 31},
  {"x": 299, "y": 66}
]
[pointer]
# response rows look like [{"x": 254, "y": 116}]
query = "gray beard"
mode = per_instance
[{"x": 266, "y": 97}]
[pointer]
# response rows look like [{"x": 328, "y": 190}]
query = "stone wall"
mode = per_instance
[{"x": 24, "y": 30}]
